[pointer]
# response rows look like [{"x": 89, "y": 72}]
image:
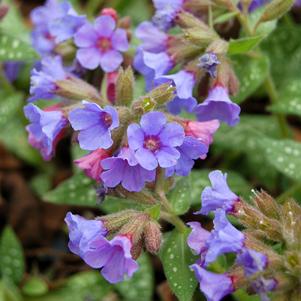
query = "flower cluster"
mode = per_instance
[
  {"x": 258, "y": 267},
  {"x": 156, "y": 57}
]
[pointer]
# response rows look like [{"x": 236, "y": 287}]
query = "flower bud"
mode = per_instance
[
  {"x": 275, "y": 10},
  {"x": 200, "y": 37},
  {"x": 111, "y": 79},
  {"x": 109, "y": 12},
  {"x": 113, "y": 222},
  {"x": 152, "y": 237},
  {"x": 266, "y": 204},
  {"x": 187, "y": 20},
  {"x": 125, "y": 86},
  {"x": 137, "y": 249},
  {"x": 77, "y": 89},
  {"x": 3, "y": 10},
  {"x": 134, "y": 227}
]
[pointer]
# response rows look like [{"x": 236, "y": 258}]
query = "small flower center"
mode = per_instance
[
  {"x": 104, "y": 44},
  {"x": 152, "y": 143},
  {"x": 107, "y": 119}
]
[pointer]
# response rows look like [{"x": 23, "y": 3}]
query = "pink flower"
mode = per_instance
[{"x": 91, "y": 163}]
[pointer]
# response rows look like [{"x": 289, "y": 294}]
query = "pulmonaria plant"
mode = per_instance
[{"x": 137, "y": 147}]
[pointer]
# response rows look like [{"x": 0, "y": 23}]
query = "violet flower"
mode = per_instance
[
  {"x": 91, "y": 163},
  {"x": 101, "y": 44},
  {"x": 225, "y": 238},
  {"x": 125, "y": 170},
  {"x": 87, "y": 239},
  {"x": 42, "y": 81},
  {"x": 209, "y": 62},
  {"x": 12, "y": 69},
  {"x": 82, "y": 231},
  {"x": 197, "y": 238},
  {"x": 152, "y": 65},
  {"x": 45, "y": 129},
  {"x": 219, "y": 196},
  {"x": 218, "y": 106},
  {"x": 166, "y": 11},
  {"x": 190, "y": 150},
  {"x": 54, "y": 22},
  {"x": 154, "y": 141},
  {"x": 94, "y": 125},
  {"x": 214, "y": 286},
  {"x": 184, "y": 82},
  {"x": 153, "y": 39},
  {"x": 202, "y": 131}
]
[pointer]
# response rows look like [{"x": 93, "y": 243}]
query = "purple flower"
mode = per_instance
[
  {"x": 166, "y": 11},
  {"x": 87, "y": 239},
  {"x": 43, "y": 82},
  {"x": 202, "y": 131},
  {"x": 190, "y": 150},
  {"x": 209, "y": 62},
  {"x": 297, "y": 3},
  {"x": 256, "y": 4},
  {"x": 218, "y": 106},
  {"x": 95, "y": 125},
  {"x": 82, "y": 231},
  {"x": 100, "y": 44},
  {"x": 197, "y": 238},
  {"x": 12, "y": 70},
  {"x": 146, "y": 32},
  {"x": 214, "y": 286},
  {"x": 152, "y": 65},
  {"x": 54, "y": 22},
  {"x": 154, "y": 141},
  {"x": 113, "y": 257},
  {"x": 45, "y": 129},
  {"x": 252, "y": 261},
  {"x": 125, "y": 170},
  {"x": 219, "y": 196},
  {"x": 184, "y": 82},
  {"x": 223, "y": 239}
]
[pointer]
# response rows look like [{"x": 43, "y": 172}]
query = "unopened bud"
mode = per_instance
[
  {"x": 155, "y": 98},
  {"x": 125, "y": 86},
  {"x": 113, "y": 222},
  {"x": 199, "y": 37},
  {"x": 134, "y": 227},
  {"x": 266, "y": 204},
  {"x": 125, "y": 23},
  {"x": 137, "y": 249},
  {"x": 109, "y": 12},
  {"x": 187, "y": 20},
  {"x": 275, "y": 10},
  {"x": 77, "y": 89},
  {"x": 152, "y": 237},
  {"x": 3, "y": 10}
]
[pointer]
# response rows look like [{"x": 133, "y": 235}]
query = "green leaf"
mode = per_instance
[
  {"x": 15, "y": 49},
  {"x": 199, "y": 180},
  {"x": 12, "y": 265},
  {"x": 284, "y": 155},
  {"x": 284, "y": 45},
  {"x": 289, "y": 99},
  {"x": 244, "y": 45},
  {"x": 179, "y": 197},
  {"x": 141, "y": 285},
  {"x": 79, "y": 190},
  {"x": 176, "y": 258},
  {"x": 243, "y": 140},
  {"x": 14, "y": 23},
  {"x": 35, "y": 286},
  {"x": 225, "y": 17},
  {"x": 241, "y": 295},
  {"x": 83, "y": 286},
  {"x": 9, "y": 106},
  {"x": 8, "y": 291},
  {"x": 251, "y": 73}
]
